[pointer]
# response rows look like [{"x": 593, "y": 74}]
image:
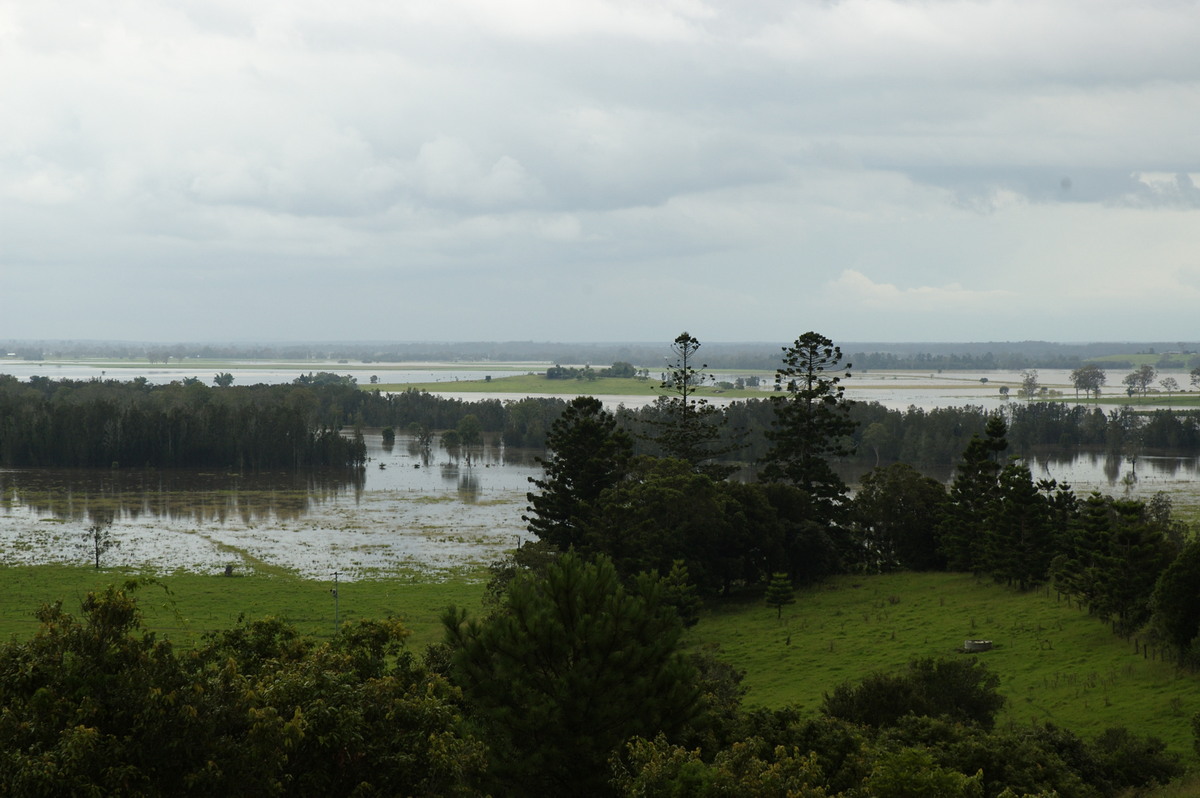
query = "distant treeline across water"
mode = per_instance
[
  {"x": 312, "y": 423},
  {"x": 107, "y": 423}
]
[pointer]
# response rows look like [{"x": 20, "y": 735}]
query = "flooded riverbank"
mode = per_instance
[{"x": 408, "y": 512}]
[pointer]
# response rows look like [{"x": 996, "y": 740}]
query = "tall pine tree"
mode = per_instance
[
  {"x": 812, "y": 424},
  {"x": 972, "y": 498},
  {"x": 588, "y": 455},
  {"x": 686, "y": 427}
]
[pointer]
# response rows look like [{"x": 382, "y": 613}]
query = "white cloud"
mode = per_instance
[
  {"x": 39, "y": 183},
  {"x": 449, "y": 169},
  {"x": 1159, "y": 189},
  {"x": 855, "y": 287}
]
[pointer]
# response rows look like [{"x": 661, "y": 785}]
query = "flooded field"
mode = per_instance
[
  {"x": 408, "y": 512},
  {"x": 426, "y": 515},
  {"x": 413, "y": 513}
]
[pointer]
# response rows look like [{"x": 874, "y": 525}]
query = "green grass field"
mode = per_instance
[
  {"x": 183, "y": 606},
  {"x": 538, "y": 384},
  {"x": 1055, "y": 662}
]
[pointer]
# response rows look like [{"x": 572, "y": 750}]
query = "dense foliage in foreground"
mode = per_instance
[
  {"x": 100, "y": 706},
  {"x": 574, "y": 682}
]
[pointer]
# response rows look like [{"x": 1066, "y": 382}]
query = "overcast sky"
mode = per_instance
[{"x": 587, "y": 170}]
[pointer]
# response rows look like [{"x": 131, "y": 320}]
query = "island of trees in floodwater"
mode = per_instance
[{"x": 576, "y": 678}]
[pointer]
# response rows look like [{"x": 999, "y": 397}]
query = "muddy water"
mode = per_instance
[{"x": 408, "y": 512}]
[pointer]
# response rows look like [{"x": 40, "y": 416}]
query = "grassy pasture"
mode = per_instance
[
  {"x": 183, "y": 606},
  {"x": 539, "y": 384},
  {"x": 1056, "y": 663}
]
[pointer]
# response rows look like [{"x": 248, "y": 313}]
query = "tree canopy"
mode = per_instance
[
  {"x": 812, "y": 422},
  {"x": 574, "y": 665}
]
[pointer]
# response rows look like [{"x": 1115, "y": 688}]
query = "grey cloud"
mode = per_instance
[
  {"x": 751, "y": 151},
  {"x": 1162, "y": 191}
]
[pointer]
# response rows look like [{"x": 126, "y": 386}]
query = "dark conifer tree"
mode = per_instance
[
  {"x": 1080, "y": 549},
  {"x": 812, "y": 424},
  {"x": 574, "y": 666},
  {"x": 1138, "y": 551},
  {"x": 686, "y": 427},
  {"x": 972, "y": 498},
  {"x": 1020, "y": 536},
  {"x": 588, "y": 455}
]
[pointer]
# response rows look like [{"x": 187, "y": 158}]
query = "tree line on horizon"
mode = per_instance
[
  {"x": 99, "y": 422},
  {"x": 110, "y": 423},
  {"x": 1013, "y": 355}
]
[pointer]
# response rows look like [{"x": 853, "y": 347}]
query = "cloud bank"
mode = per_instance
[{"x": 874, "y": 169}]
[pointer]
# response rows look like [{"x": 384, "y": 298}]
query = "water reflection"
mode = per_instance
[
  {"x": 213, "y": 497},
  {"x": 1085, "y": 471},
  {"x": 412, "y": 509},
  {"x": 1106, "y": 471},
  {"x": 103, "y": 496},
  {"x": 468, "y": 487}
]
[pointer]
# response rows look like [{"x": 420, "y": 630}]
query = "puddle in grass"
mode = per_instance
[{"x": 435, "y": 513}]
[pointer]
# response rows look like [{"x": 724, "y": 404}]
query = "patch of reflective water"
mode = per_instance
[{"x": 408, "y": 511}]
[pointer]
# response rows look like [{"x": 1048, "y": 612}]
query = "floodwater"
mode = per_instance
[
  {"x": 1118, "y": 475},
  {"x": 408, "y": 512},
  {"x": 896, "y": 390},
  {"x": 424, "y": 514},
  {"x": 252, "y": 373}
]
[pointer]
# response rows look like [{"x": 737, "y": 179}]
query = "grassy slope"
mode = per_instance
[{"x": 1055, "y": 662}]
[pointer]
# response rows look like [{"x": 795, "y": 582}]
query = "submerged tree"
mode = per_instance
[
  {"x": 1140, "y": 379},
  {"x": 99, "y": 539},
  {"x": 812, "y": 422},
  {"x": 1029, "y": 384},
  {"x": 1089, "y": 379}
]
